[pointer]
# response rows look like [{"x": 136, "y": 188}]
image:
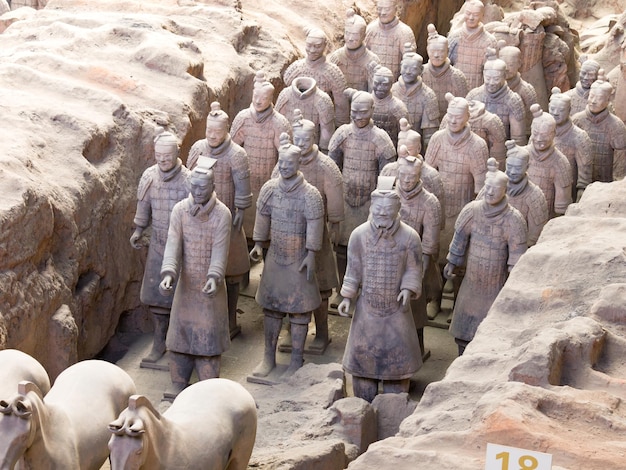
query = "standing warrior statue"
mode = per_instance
[
  {"x": 469, "y": 43},
  {"x": 549, "y": 168},
  {"x": 328, "y": 76},
  {"x": 491, "y": 235},
  {"x": 388, "y": 109},
  {"x": 385, "y": 264},
  {"x": 420, "y": 100},
  {"x": 257, "y": 129},
  {"x": 196, "y": 255},
  {"x": 579, "y": 95},
  {"x": 354, "y": 58},
  {"x": 231, "y": 177},
  {"x": 439, "y": 74},
  {"x": 290, "y": 217},
  {"x": 320, "y": 171},
  {"x": 360, "y": 150},
  {"x": 572, "y": 141},
  {"x": 161, "y": 186},
  {"x": 387, "y": 35},
  {"x": 606, "y": 131}
]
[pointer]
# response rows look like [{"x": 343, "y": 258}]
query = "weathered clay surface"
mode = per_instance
[{"x": 545, "y": 371}]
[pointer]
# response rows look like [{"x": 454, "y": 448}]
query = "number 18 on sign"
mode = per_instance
[{"x": 511, "y": 458}]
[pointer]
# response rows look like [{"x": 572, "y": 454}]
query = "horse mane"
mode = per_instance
[
  {"x": 137, "y": 401},
  {"x": 24, "y": 387}
]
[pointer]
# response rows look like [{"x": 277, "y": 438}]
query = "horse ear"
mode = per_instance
[
  {"x": 116, "y": 426},
  {"x": 137, "y": 401},
  {"x": 25, "y": 387},
  {"x": 5, "y": 407},
  {"x": 22, "y": 408}
]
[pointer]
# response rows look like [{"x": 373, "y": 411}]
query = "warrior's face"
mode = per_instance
[
  {"x": 314, "y": 47},
  {"x": 587, "y": 76},
  {"x": 303, "y": 139},
  {"x": 216, "y": 133},
  {"x": 598, "y": 100},
  {"x": 495, "y": 190},
  {"x": 410, "y": 69},
  {"x": 559, "y": 109},
  {"x": 201, "y": 187},
  {"x": 457, "y": 119},
  {"x": 513, "y": 64},
  {"x": 262, "y": 99},
  {"x": 288, "y": 165},
  {"x": 408, "y": 176},
  {"x": 384, "y": 211},
  {"x": 353, "y": 37},
  {"x": 381, "y": 85},
  {"x": 165, "y": 155},
  {"x": 473, "y": 16},
  {"x": 516, "y": 169},
  {"x": 494, "y": 80},
  {"x": 386, "y": 10},
  {"x": 542, "y": 138},
  {"x": 437, "y": 53},
  {"x": 361, "y": 113}
]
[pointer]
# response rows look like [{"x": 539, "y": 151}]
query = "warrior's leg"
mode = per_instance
[
  {"x": 208, "y": 367},
  {"x": 161, "y": 319},
  {"x": 271, "y": 324},
  {"x": 364, "y": 388}
]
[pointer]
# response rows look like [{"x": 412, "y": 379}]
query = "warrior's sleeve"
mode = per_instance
[
  {"x": 453, "y": 41},
  {"x": 237, "y": 133},
  {"x": 314, "y": 213},
  {"x": 282, "y": 100},
  {"x": 459, "y": 81},
  {"x": 412, "y": 276},
  {"x": 385, "y": 151},
  {"x": 478, "y": 164},
  {"x": 354, "y": 269},
  {"x": 240, "y": 171},
  {"x": 342, "y": 105},
  {"x": 173, "y": 254},
  {"x": 144, "y": 206},
  {"x": 195, "y": 151},
  {"x": 462, "y": 231},
  {"x": 432, "y": 152},
  {"x": 538, "y": 215},
  {"x": 333, "y": 189},
  {"x": 517, "y": 120},
  {"x": 335, "y": 146},
  {"x": 518, "y": 236},
  {"x": 221, "y": 243},
  {"x": 562, "y": 184},
  {"x": 327, "y": 120},
  {"x": 262, "y": 222},
  {"x": 432, "y": 224},
  {"x": 281, "y": 124},
  {"x": 584, "y": 159}
]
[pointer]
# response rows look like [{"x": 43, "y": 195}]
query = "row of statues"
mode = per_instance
[{"x": 297, "y": 186}]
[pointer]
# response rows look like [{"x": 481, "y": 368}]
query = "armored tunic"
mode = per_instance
[
  {"x": 492, "y": 239},
  {"x": 231, "y": 176},
  {"x": 354, "y": 65},
  {"x": 431, "y": 180},
  {"x": 421, "y": 103},
  {"x": 320, "y": 171},
  {"x": 467, "y": 52},
  {"x": 528, "y": 95},
  {"x": 157, "y": 194},
  {"x": 576, "y": 146},
  {"x": 382, "y": 343},
  {"x": 443, "y": 80},
  {"x": 258, "y": 134},
  {"x": 316, "y": 106},
  {"x": 387, "y": 115},
  {"x": 360, "y": 154},
  {"x": 421, "y": 211},
  {"x": 529, "y": 199},
  {"x": 329, "y": 78},
  {"x": 290, "y": 215},
  {"x": 508, "y": 106},
  {"x": 578, "y": 96},
  {"x": 197, "y": 248},
  {"x": 387, "y": 42},
  {"x": 551, "y": 171},
  {"x": 608, "y": 134}
]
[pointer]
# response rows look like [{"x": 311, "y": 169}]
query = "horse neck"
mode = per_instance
[{"x": 51, "y": 432}]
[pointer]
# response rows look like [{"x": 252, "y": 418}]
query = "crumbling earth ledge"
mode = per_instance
[{"x": 546, "y": 370}]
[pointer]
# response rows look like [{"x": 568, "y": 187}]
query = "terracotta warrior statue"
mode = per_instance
[
  {"x": 360, "y": 150},
  {"x": 161, "y": 186},
  {"x": 290, "y": 216},
  {"x": 257, "y": 130},
  {"x": 549, "y": 168},
  {"x": 231, "y": 177},
  {"x": 388, "y": 109},
  {"x": 328, "y": 76},
  {"x": 387, "y": 35},
  {"x": 606, "y": 131},
  {"x": 487, "y": 126},
  {"x": 469, "y": 42},
  {"x": 320, "y": 171},
  {"x": 461, "y": 158},
  {"x": 419, "y": 99},
  {"x": 196, "y": 255},
  {"x": 572, "y": 141},
  {"x": 314, "y": 104},
  {"x": 489, "y": 238},
  {"x": 512, "y": 57},
  {"x": 500, "y": 99},
  {"x": 421, "y": 210},
  {"x": 354, "y": 58},
  {"x": 579, "y": 95},
  {"x": 439, "y": 74},
  {"x": 385, "y": 264},
  {"x": 523, "y": 194}
]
